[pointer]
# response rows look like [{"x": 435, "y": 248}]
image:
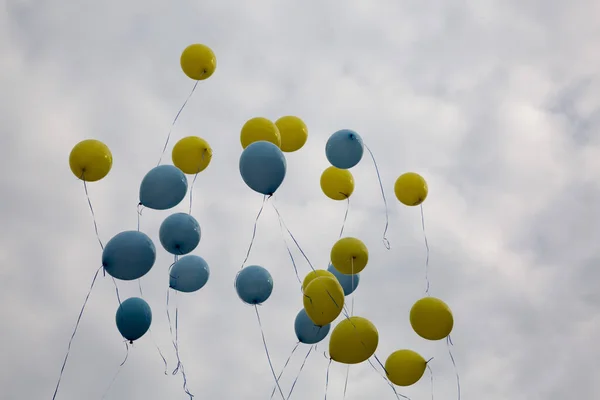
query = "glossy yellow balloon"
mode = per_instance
[
  {"x": 293, "y": 131},
  {"x": 405, "y": 367},
  {"x": 337, "y": 184},
  {"x": 353, "y": 341},
  {"x": 323, "y": 300},
  {"x": 198, "y": 62},
  {"x": 315, "y": 274},
  {"x": 411, "y": 189},
  {"x": 431, "y": 318},
  {"x": 191, "y": 155},
  {"x": 257, "y": 129},
  {"x": 90, "y": 160},
  {"x": 349, "y": 256}
]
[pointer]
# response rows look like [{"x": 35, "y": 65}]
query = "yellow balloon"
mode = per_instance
[
  {"x": 411, "y": 189},
  {"x": 257, "y": 129},
  {"x": 431, "y": 318},
  {"x": 349, "y": 256},
  {"x": 405, "y": 367},
  {"x": 323, "y": 300},
  {"x": 294, "y": 133},
  {"x": 90, "y": 160},
  {"x": 353, "y": 341},
  {"x": 315, "y": 274},
  {"x": 191, "y": 155},
  {"x": 337, "y": 184},
  {"x": 198, "y": 62}
]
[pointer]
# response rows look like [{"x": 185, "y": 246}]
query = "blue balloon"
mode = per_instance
[
  {"x": 346, "y": 281},
  {"x": 179, "y": 233},
  {"x": 189, "y": 274},
  {"x": 344, "y": 149},
  {"x": 306, "y": 330},
  {"x": 263, "y": 167},
  {"x": 163, "y": 187},
  {"x": 254, "y": 284},
  {"x": 128, "y": 255},
  {"x": 134, "y": 317}
]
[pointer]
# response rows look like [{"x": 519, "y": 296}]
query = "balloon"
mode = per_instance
[
  {"x": 405, "y": 367},
  {"x": 337, "y": 184},
  {"x": 254, "y": 284},
  {"x": 306, "y": 331},
  {"x": 344, "y": 149},
  {"x": 431, "y": 318},
  {"x": 263, "y": 167},
  {"x": 198, "y": 62},
  {"x": 349, "y": 282},
  {"x": 191, "y": 155},
  {"x": 163, "y": 187},
  {"x": 128, "y": 255},
  {"x": 411, "y": 189},
  {"x": 90, "y": 160},
  {"x": 189, "y": 273},
  {"x": 349, "y": 255},
  {"x": 353, "y": 341},
  {"x": 259, "y": 129},
  {"x": 134, "y": 317},
  {"x": 315, "y": 274},
  {"x": 323, "y": 300},
  {"x": 293, "y": 132},
  {"x": 179, "y": 233}
]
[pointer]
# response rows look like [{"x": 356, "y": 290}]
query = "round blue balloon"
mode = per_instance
[
  {"x": 263, "y": 167},
  {"x": 134, "y": 317},
  {"x": 189, "y": 274},
  {"x": 163, "y": 187},
  {"x": 128, "y": 255},
  {"x": 306, "y": 331},
  {"x": 344, "y": 149},
  {"x": 254, "y": 284},
  {"x": 346, "y": 281},
  {"x": 179, "y": 233}
]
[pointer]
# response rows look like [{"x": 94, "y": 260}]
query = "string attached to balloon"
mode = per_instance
[
  {"x": 386, "y": 242},
  {"x": 118, "y": 371}
]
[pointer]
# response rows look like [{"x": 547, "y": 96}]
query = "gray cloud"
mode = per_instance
[{"x": 495, "y": 104}]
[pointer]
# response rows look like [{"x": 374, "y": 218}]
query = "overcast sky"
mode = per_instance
[{"x": 495, "y": 103}]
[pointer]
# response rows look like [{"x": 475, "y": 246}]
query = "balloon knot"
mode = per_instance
[{"x": 131, "y": 342}]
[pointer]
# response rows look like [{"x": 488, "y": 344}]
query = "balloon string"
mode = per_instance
[
  {"x": 140, "y": 209},
  {"x": 386, "y": 242},
  {"x": 284, "y": 367},
  {"x": 91, "y": 210},
  {"x": 174, "y": 121},
  {"x": 265, "y": 198},
  {"x": 175, "y": 342},
  {"x": 327, "y": 377},
  {"x": 346, "y": 382},
  {"x": 427, "y": 252},
  {"x": 430, "y": 378},
  {"x": 345, "y": 217},
  {"x": 450, "y": 344},
  {"x": 118, "y": 371},
  {"x": 262, "y": 332},
  {"x": 352, "y": 270},
  {"x": 289, "y": 250},
  {"x": 150, "y": 332},
  {"x": 299, "y": 372},
  {"x": 117, "y": 291},
  {"x": 192, "y": 192},
  {"x": 74, "y": 332},
  {"x": 291, "y": 235},
  {"x": 398, "y": 395}
]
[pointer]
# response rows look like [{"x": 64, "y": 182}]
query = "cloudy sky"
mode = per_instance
[{"x": 495, "y": 103}]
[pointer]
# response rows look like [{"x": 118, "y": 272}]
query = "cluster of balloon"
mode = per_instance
[
  {"x": 430, "y": 317},
  {"x": 130, "y": 255}
]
